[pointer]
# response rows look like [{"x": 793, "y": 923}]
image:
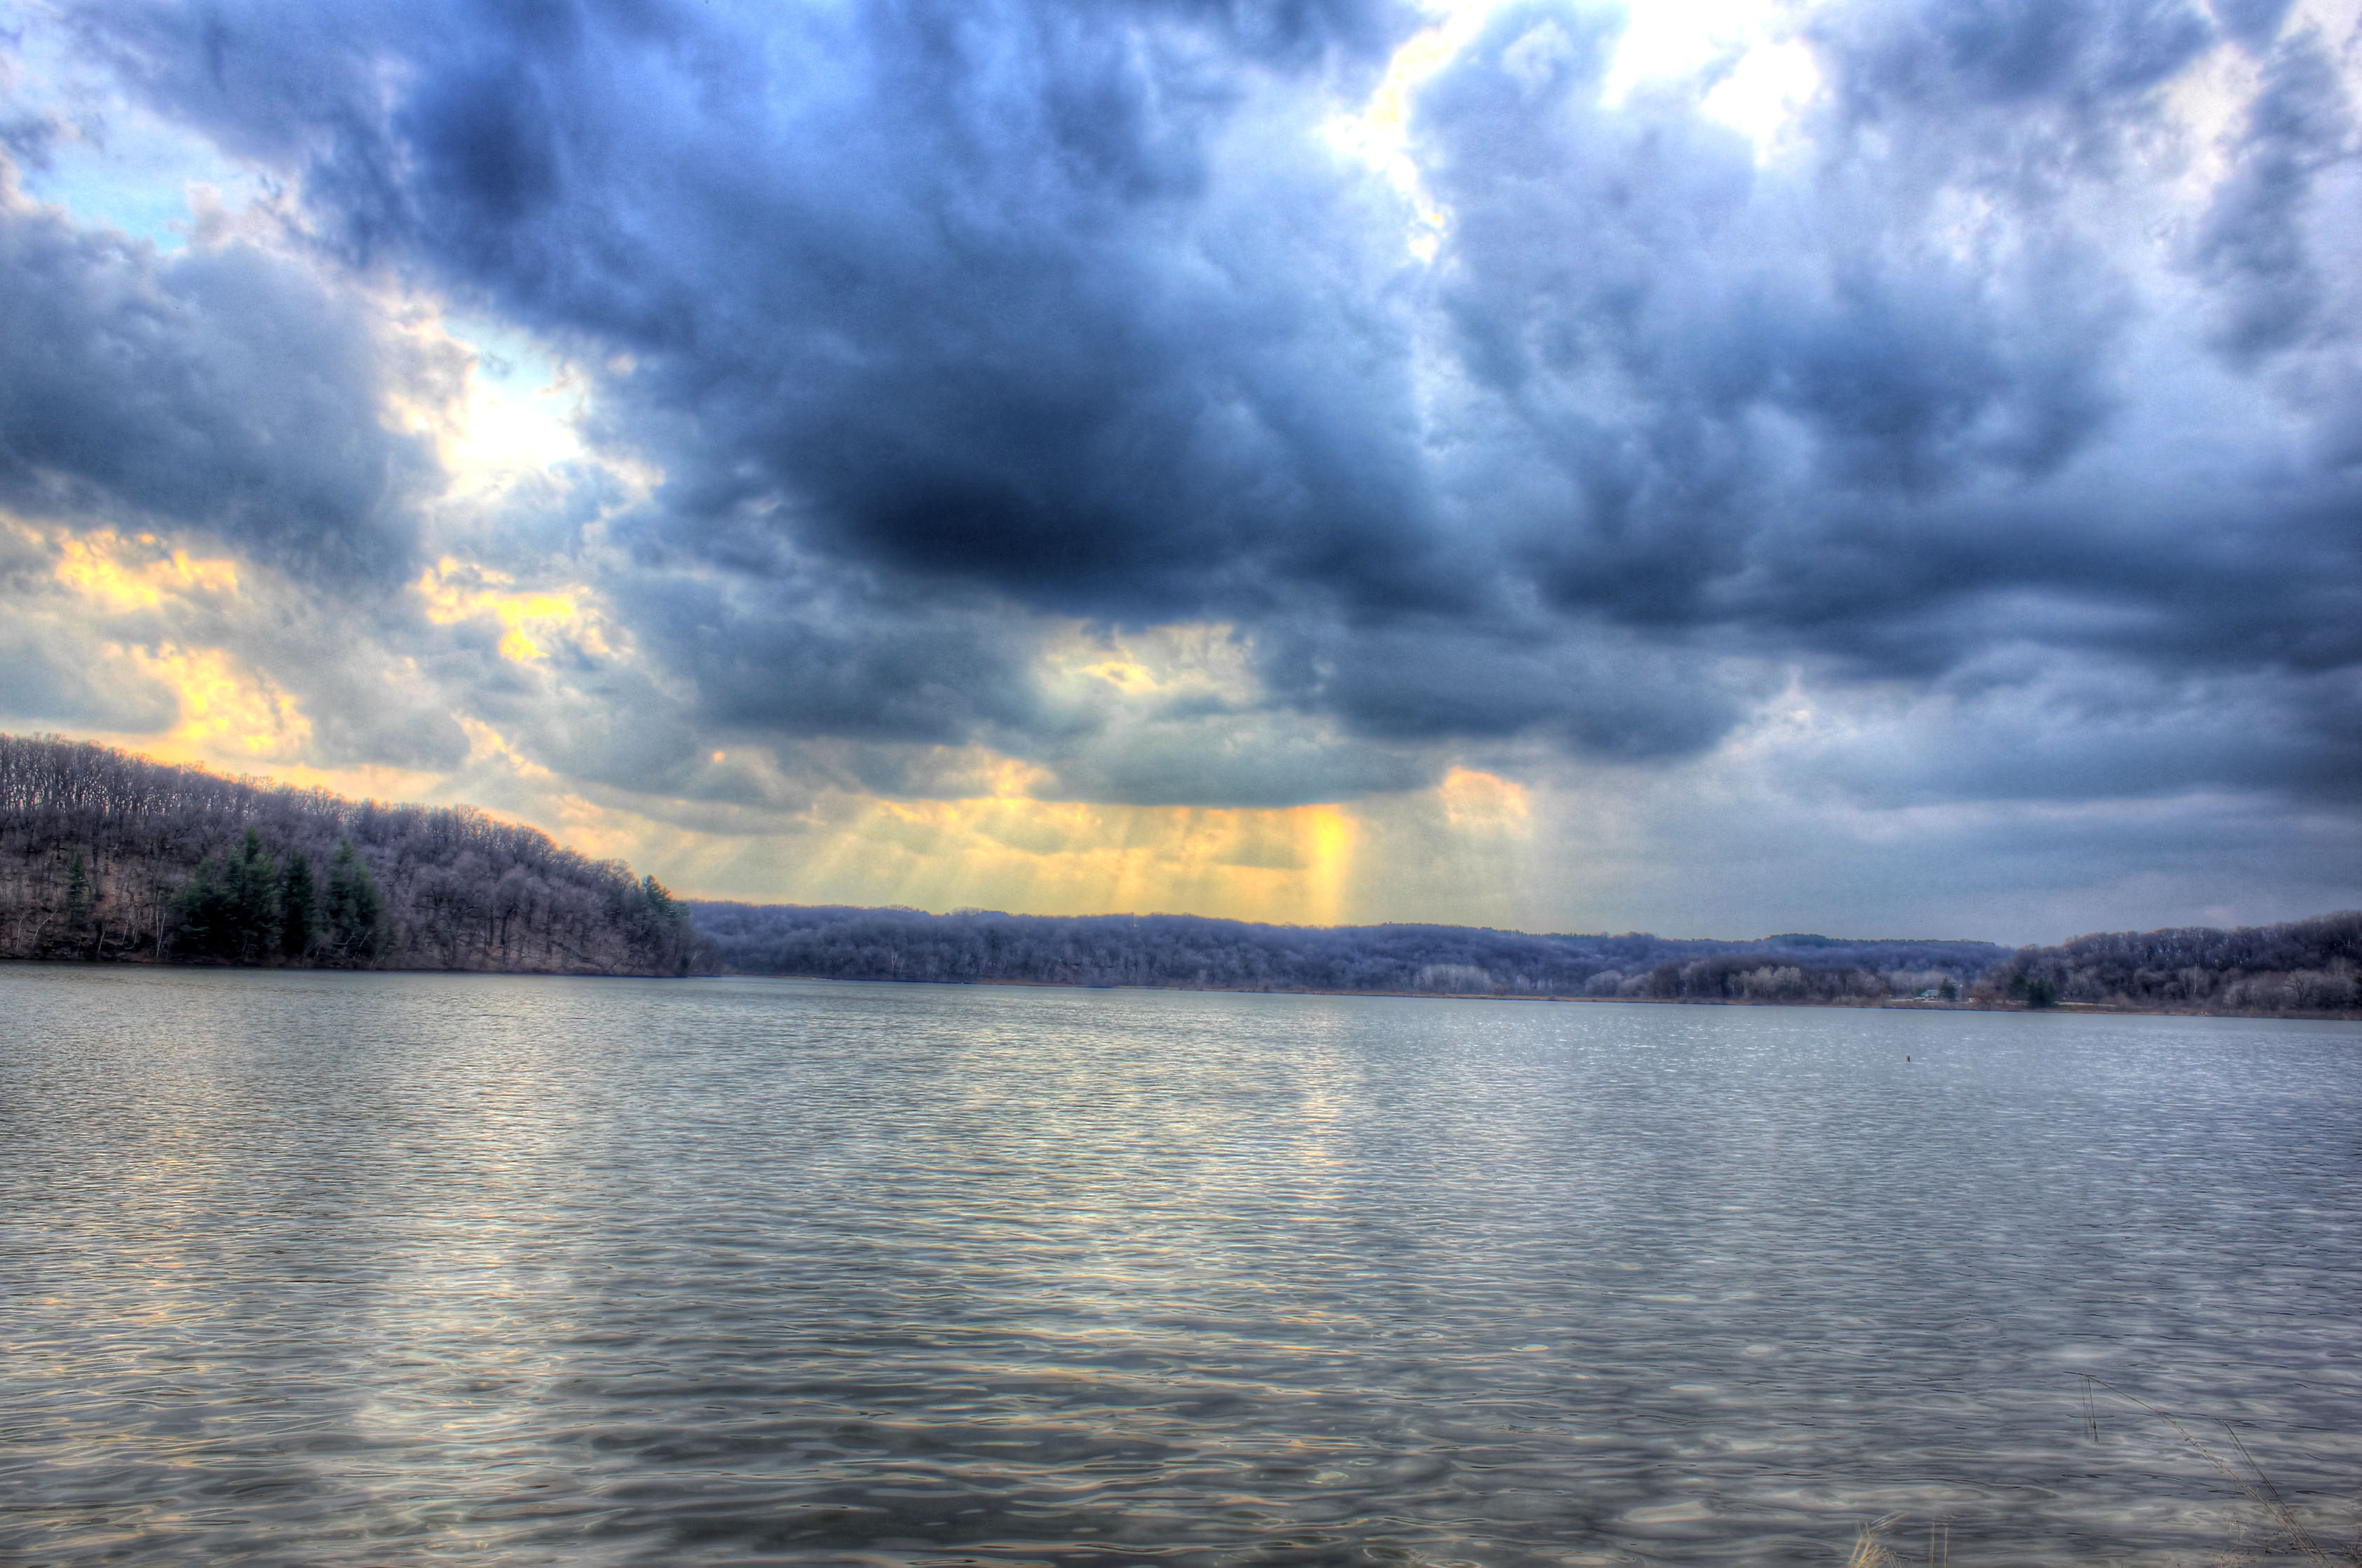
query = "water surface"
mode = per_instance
[{"x": 370, "y": 1269}]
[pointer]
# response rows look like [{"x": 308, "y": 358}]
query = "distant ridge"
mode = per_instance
[
  {"x": 2304, "y": 967},
  {"x": 1191, "y": 951},
  {"x": 108, "y": 856},
  {"x": 2309, "y": 968}
]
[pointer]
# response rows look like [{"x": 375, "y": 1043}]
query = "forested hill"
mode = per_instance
[
  {"x": 1188, "y": 950},
  {"x": 2306, "y": 965},
  {"x": 104, "y": 854},
  {"x": 107, "y": 855}
]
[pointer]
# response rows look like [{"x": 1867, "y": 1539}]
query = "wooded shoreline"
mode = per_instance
[
  {"x": 104, "y": 855},
  {"x": 1894, "y": 1004}
]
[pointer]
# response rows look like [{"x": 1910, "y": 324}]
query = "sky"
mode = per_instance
[{"x": 1709, "y": 467}]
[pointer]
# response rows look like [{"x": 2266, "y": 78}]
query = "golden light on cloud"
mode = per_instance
[
  {"x": 1483, "y": 802},
  {"x": 456, "y": 591},
  {"x": 138, "y": 572},
  {"x": 486, "y": 744},
  {"x": 998, "y": 841},
  {"x": 1379, "y": 134},
  {"x": 1288, "y": 864},
  {"x": 226, "y": 709},
  {"x": 565, "y": 813},
  {"x": 1193, "y": 658},
  {"x": 1124, "y": 675}
]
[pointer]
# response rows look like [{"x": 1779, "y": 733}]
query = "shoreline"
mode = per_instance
[{"x": 1894, "y": 1004}]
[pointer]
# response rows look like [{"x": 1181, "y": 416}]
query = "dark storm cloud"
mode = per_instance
[
  {"x": 2101, "y": 728},
  {"x": 1413, "y": 682},
  {"x": 812, "y": 660},
  {"x": 1799, "y": 417},
  {"x": 1642, "y": 298},
  {"x": 2255, "y": 245},
  {"x": 935, "y": 317},
  {"x": 1916, "y": 59},
  {"x": 933, "y": 286},
  {"x": 221, "y": 388}
]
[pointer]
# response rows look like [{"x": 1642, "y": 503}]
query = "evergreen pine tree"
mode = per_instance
[
  {"x": 230, "y": 908},
  {"x": 206, "y": 924},
  {"x": 356, "y": 930},
  {"x": 253, "y": 885},
  {"x": 299, "y": 907}
]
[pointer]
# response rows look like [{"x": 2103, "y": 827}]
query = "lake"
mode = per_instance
[{"x": 375, "y": 1269}]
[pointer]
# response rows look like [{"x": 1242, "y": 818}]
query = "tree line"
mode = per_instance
[
  {"x": 1190, "y": 950},
  {"x": 105, "y": 855},
  {"x": 244, "y": 908},
  {"x": 108, "y": 856},
  {"x": 2305, "y": 967},
  {"x": 2299, "y": 966}
]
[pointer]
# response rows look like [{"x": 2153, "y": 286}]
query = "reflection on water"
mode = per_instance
[{"x": 397, "y": 1269}]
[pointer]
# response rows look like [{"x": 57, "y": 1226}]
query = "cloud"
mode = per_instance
[
  {"x": 223, "y": 389},
  {"x": 1924, "y": 58},
  {"x": 2000, "y": 392},
  {"x": 2257, "y": 244},
  {"x": 57, "y": 671}
]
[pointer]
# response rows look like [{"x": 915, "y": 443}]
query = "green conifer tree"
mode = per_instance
[
  {"x": 356, "y": 927},
  {"x": 253, "y": 883},
  {"x": 299, "y": 905},
  {"x": 230, "y": 907},
  {"x": 201, "y": 912}
]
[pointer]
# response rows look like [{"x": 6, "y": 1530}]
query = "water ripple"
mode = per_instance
[{"x": 343, "y": 1269}]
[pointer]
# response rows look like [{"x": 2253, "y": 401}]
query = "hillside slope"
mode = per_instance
[
  {"x": 108, "y": 856},
  {"x": 2298, "y": 967}
]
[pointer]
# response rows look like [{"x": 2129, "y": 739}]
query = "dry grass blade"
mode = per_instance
[
  {"x": 1868, "y": 1551},
  {"x": 2258, "y": 1490}
]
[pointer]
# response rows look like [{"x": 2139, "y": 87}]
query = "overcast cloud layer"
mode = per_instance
[{"x": 1898, "y": 463}]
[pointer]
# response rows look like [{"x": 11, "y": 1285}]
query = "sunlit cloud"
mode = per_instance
[
  {"x": 1105, "y": 517},
  {"x": 1293, "y": 866},
  {"x": 1755, "y": 78},
  {"x": 521, "y": 409},
  {"x": 1758, "y": 74},
  {"x": 530, "y": 622},
  {"x": 1379, "y": 131},
  {"x": 1477, "y": 802},
  {"x": 225, "y": 707},
  {"x": 140, "y": 572}
]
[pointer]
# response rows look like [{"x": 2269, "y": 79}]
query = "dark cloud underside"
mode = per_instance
[
  {"x": 940, "y": 316},
  {"x": 223, "y": 389}
]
